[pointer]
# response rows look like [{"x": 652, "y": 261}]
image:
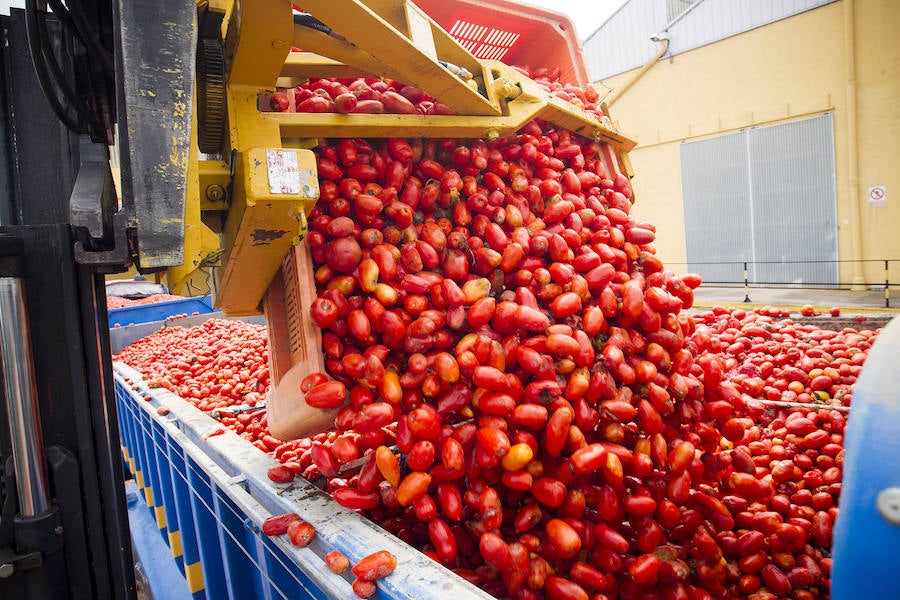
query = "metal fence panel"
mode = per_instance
[
  {"x": 794, "y": 202},
  {"x": 717, "y": 209}
]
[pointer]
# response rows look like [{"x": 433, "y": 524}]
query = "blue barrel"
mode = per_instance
[{"x": 867, "y": 534}]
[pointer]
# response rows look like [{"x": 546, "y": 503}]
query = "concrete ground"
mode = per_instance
[
  {"x": 851, "y": 302},
  {"x": 859, "y": 310}
]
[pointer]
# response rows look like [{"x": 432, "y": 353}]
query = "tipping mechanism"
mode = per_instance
[{"x": 259, "y": 206}]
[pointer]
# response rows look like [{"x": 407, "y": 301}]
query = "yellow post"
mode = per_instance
[
  {"x": 272, "y": 188},
  {"x": 199, "y": 241},
  {"x": 856, "y": 244}
]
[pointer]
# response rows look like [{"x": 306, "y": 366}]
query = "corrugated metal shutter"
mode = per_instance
[
  {"x": 765, "y": 196},
  {"x": 715, "y": 186},
  {"x": 794, "y": 202}
]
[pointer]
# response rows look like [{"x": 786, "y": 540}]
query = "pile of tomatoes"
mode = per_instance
[
  {"x": 120, "y": 302},
  {"x": 384, "y": 96},
  {"x": 533, "y": 404},
  {"x": 218, "y": 364},
  {"x": 795, "y": 454},
  {"x": 566, "y": 428}
]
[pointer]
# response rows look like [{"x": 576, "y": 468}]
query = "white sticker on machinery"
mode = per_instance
[{"x": 284, "y": 173}]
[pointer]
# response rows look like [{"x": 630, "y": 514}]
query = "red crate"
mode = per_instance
[{"x": 512, "y": 33}]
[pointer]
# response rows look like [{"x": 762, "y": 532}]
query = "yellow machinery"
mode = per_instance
[{"x": 257, "y": 182}]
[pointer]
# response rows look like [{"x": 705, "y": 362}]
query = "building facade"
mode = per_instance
[{"x": 768, "y": 133}]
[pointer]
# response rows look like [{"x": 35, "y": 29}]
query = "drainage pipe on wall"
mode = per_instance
[{"x": 663, "y": 40}]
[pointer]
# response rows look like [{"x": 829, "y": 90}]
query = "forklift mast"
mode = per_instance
[{"x": 63, "y": 526}]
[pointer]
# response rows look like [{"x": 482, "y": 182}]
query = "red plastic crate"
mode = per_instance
[{"x": 512, "y": 33}]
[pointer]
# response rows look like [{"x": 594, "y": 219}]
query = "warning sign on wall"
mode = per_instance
[{"x": 878, "y": 195}]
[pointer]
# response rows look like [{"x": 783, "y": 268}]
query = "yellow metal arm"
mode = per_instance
[
  {"x": 301, "y": 66},
  {"x": 382, "y": 38},
  {"x": 394, "y": 39},
  {"x": 406, "y": 46}
]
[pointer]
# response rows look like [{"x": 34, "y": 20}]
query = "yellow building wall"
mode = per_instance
[
  {"x": 878, "y": 125},
  {"x": 790, "y": 69}
]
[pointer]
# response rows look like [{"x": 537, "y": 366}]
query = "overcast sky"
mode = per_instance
[{"x": 587, "y": 15}]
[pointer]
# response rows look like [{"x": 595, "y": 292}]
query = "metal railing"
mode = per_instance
[{"x": 744, "y": 275}]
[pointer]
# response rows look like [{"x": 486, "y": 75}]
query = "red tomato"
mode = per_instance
[
  {"x": 375, "y": 566},
  {"x": 301, "y": 533},
  {"x": 278, "y": 524},
  {"x": 337, "y": 562},
  {"x": 330, "y": 394}
]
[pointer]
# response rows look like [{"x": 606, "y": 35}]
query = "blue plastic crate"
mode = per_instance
[
  {"x": 210, "y": 495},
  {"x": 159, "y": 311}
]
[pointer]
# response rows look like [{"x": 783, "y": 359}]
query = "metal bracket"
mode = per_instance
[
  {"x": 12, "y": 563},
  {"x": 93, "y": 200},
  {"x": 100, "y": 228},
  {"x": 215, "y": 184},
  {"x": 114, "y": 260}
]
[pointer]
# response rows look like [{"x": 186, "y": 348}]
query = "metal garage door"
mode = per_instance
[{"x": 766, "y": 196}]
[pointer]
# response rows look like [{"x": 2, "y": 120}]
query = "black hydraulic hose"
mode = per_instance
[
  {"x": 307, "y": 20},
  {"x": 40, "y": 67},
  {"x": 61, "y": 12},
  {"x": 56, "y": 72},
  {"x": 60, "y": 79},
  {"x": 87, "y": 33}
]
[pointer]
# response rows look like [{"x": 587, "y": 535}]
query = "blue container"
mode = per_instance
[
  {"x": 120, "y": 337},
  {"x": 867, "y": 533},
  {"x": 159, "y": 311},
  {"x": 209, "y": 494}
]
